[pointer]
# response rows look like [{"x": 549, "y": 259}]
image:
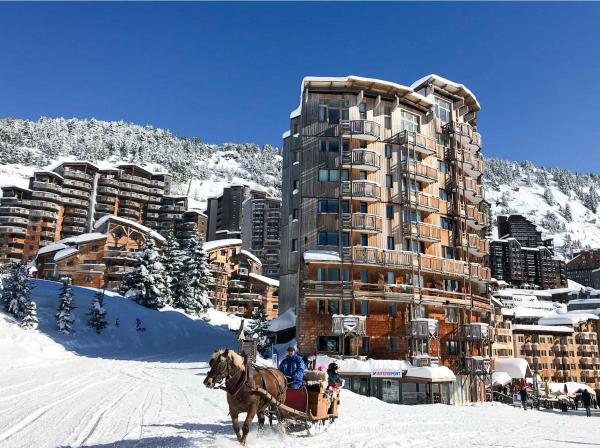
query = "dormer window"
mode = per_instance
[{"x": 443, "y": 110}]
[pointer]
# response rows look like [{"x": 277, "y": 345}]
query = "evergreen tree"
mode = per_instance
[
  {"x": 567, "y": 213},
  {"x": 97, "y": 313},
  {"x": 20, "y": 293},
  {"x": 196, "y": 279},
  {"x": 145, "y": 283},
  {"x": 7, "y": 290},
  {"x": 172, "y": 261},
  {"x": 259, "y": 328},
  {"x": 64, "y": 318},
  {"x": 549, "y": 197},
  {"x": 30, "y": 320},
  {"x": 591, "y": 200}
]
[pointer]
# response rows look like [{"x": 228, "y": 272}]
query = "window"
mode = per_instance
[
  {"x": 118, "y": 234},
  {"x": 364, "y": 276},
  {"x": 334, "y": 146},
  {"x": 70, "y": 263},
  {"x": 333, "y": 307},
  {"x": 421, "y": 311},
  {"x": 389, "y": 212},
  {"x": 328, "y": 239},
  {"x": 346, "y": 239},
  {"x": 452, "y": 347},
  {"x": 388, "y": 181},
  {"x": 362, "y": 175},
  {"x": 364, "y": 308},
  {"x": 363, "y": 207},
  {"x": 409, "y": 122},
  {"x": 294, "y": 245},
  {"x": 94, "y": 248},
  {"x": 391, "y": 278},
  {"x": 444, "y": 195},
  {"x": 321, "y": 307},
  {"x": 328, "y": 206},
  {"x": 331, "y": 111},
  {"x": 388, "y": 151},
  {"x": 296, "y": 186},
  {"x": 443, "y": 166},
  {"x": 390, "y": 243},
  {"x": 448, "y": 252},
  {"x": 134, "y": 237},
  {"x": 295, "y": 156},
  {"x": 412, "y": 215},
  {"x": 364, "y": 239},
  {"x": 365, "y": 345},
  {"x": 451, "y": 315},
  {"x": 295, "y": 214},
  {"x": 393, "y": 344},
  {"x": 447, "y": 224},
  {"x": 362, "y": 111},
  {"x": 328, "y": 344},
  {"x": 392, "y": 309},
  {"x": 323, "y": 144},
  {"x": 87, "y": 279},
  {"x": 346, "y": 307},
  {"x": 387, "y": 117},
  {"x": 329, "y": 175},
  {"x": 443, "y": 110},
  {"x": 414, "y": 246}
]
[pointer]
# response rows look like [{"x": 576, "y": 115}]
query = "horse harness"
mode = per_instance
[{"x": 244, "y": 380}]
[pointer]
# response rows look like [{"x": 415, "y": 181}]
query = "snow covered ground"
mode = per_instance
[{"x": 144, "y": 389}]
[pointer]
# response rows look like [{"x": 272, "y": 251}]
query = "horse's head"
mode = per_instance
[{"x": 223, "y": 365}]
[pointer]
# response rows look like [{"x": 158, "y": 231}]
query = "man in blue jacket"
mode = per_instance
[{"x": 293, "y": 368}]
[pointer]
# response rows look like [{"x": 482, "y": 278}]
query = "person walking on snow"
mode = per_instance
[
  {"x": 586, "y": 400},
  {"x": 523, "y": 393},
  {"x": 293, "y": 368}
]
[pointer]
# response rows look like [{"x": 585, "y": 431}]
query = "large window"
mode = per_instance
[
  {"x": 388, "y": 151},
  {"x": 364, "y": 308},
  {"x": 448, "y": 252},
  {"x": 409, "y": 122},
  {"x": 443, "y": 110},
  {"x": 364, "y": 239},
  {"x": 447, "y": 224},
  {"x": 328, "y": 239},
  {"x": 393, "y": 344},
  {"x": 329, "y": 175},
  {"x": 389, "y": 182},
  {"x": 333, "y": 307},
  {"x": 452, "y": 348},
  {"x": 451, "y": 315},
  {"x": 331, "y": 111},
  {"x": 389, "y": 211},
  {"x": 412, "y": 215},
  {"x": 362, "y": 110},
  {"x": 387, "y": 117},
  {"x": 364, "y": 349},
  {"x": 328, "y": 344},
  {"x": 328, "y": 206},
  {"x": 294, "y": 245},
  {"x": 332, "y": 274},
  {"x": 331, "y": 145},
  {"x": 391, "y": 243}
]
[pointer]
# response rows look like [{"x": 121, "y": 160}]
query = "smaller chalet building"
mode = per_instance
[{"x": 97, "y": 259}]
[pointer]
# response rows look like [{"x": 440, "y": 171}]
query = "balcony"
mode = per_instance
[
  {"x": 424, "y": 360},
  {"x": 107, "y": 208},
  {"x": 413, "y": 140},
  {"x": 362, "y": 159},
  {"x": 375, "y": 256},
  {"x": 71, "y": 192},
  {"x": 476, "y": 332},
  {"x": 462, "y": 129},
  {"x": 471, "y": 189},
  {"x": 152, "y": 215},
  {"x": 108, "y": 182},
  {"x": 157, "y": 183},
  {"x": 173, "y": 208},
  {"x": 46, "y": 186},
  {"x": 421, "y": 201},
  {"x": 158, "y": 191},
  {"x": 77, "y": 184},
  {"x": 45, "y": 196},
  {"x": 73, "y": 229},
  {"x": 419, "y": 171},
  {"x": 475, "y": 245},
  {"x": 133, "y": 195},
  {"x": 91, "y": 267},
  {"x": 153, "y": 207},
  {"x": 364, "y": 222},
  {"x": 19, "y": 211},
  {"x": 479, "y": 273},
  {"x": 75, "y": 174},
  {"x": 360, "y": 129},
  {"x": 361, "y": 190},
  {"x": 348, "y": 324},
  {"x": 76, "y": 202},
  {"x": 13, "y": 230},
  {"x": 13, "y": 220},
  {"x": 74, "y": 220},
  {"x": 474, "y": 218},
  {"x": 106, "y": 199},
  {"x": 423, "y": 328},
  {"x": 120, "y": 255},
  {"x": 422, "y": 231},
  {"x": 135, "y": 179},
  {"x": 108, "y": 190},
  {"x": 43, "y": 214},
  {"x": 477, "y": 365}
]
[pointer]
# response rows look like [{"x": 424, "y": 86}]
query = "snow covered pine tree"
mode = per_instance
[
  {"x": 64, "y": 318},
  {"x": 145, "y": 283},
  {"x": 196, "y": 279},
  {"x": 20, "y": 304},
  {"x": 259, "y": 328},
  {"x": 97, "y": 313},
  {"x": 172, "y": 261}
]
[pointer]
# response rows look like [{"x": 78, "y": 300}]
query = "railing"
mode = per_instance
[
  {"x": 477, "y": 365},
  {"x": 100, "y": 267},
  {"x": 476, "y": 332},
  {"x": 13, "y": 229},
  {"x": 14, "y": 211},
  {"x": 418, "y": 199},
  {"x": 364, "y": 221},
  {"x": 463, "y": 129},
  {"x": 157, "y": 183},
  {"x": 359, "y": 127},
  {"x": 470, "y": 186},
  {"x": 74, "y": 219},
  {"x": 108, "y": 190},
  {"x": 45, "y": 195},
  {"x": 136, "y": 179},
  {"x": 76, "y": 193},
  {"x": 348, "y": 324},
  {"x": 423, "y": 328},
  {"x": 73, "y": 201},
  {"x": 419, "y": 169},
  {"x": 77, "y": 184},
  {"x": 361, "y": 189},
  {"x": 38, "y": 185},
  {"x": 421, "y": 230},
  {"x": 420, "y": 141},
  {"x": 68, "y": 172},
  {"x": 363, "y": 157},
  {"x": 108, "y": 181},
  {"x": 13, "y": 220}
]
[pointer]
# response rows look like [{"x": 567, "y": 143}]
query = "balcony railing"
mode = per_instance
[
  {"x": 14, "y": 211},
  {"x": 362, "y": 158},
  {"x": 477, "y": 365},
  {"x": 75, "y": 174},
  {"x": 361, "y": 189},
  {"x": 416, "y": 141},
  {"x": 421, "y": 201},
  {"x": 47, "y": 186},
  {"x": 362, "y": 221},
  {"x": 45, "y": 195},
  {"x": 360, "y": 129},
  {"x": 13, "y": 220},
  {"x": 423, "y": 328},
  {"x": 77, "y": 184},
  {"x": 348, "y": 324},
  {"x": 422, "y": 231},
  {"x": 478, "y": 332},
  {"x": 136, "y": 179},
  {"x": 419, "y": 171},
  {"x": 100, "y": 267}
]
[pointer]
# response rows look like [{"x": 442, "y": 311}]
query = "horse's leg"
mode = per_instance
[
  {"x": 236, "y": 425},
  {"x": 261, "y": 419},
  {"x": 246, "y": 428}
]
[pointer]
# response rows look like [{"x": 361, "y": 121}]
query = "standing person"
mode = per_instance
[
  {"x": 586, "y": 400},
  {"x": 334, "y": 381},
  {"x": 293, "y": 368},
  {"x": 524, "y": 396}
]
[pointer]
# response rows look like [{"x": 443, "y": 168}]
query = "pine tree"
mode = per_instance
[
  {"x": 196, "y": 279},
  {"x": 259, "y": 327},
  {"x": 20, "y": 293},
  {"x": 145, "y": 283},
  {"x": 97, "y": 313},
  {"x": 567, "y": 213},
  {"x": 173, "y": 266},
  {"x": 549, "y": 197},
  {"x": 30, "y": 320},
  {"x": 64, "y": 318}
]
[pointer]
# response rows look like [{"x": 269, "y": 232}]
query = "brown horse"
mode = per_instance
[{"x": 241, "y": 381}]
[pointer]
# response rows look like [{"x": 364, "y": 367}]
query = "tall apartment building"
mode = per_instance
[
  {"x": 261, "y": 215},
  {"x": 522, "y": 258},
  {"x": 225, "y": 212},
  {"x": 67, "y": 200},
  {"x": 584, "y": 268},
  {"x": 383, "y": 222}
]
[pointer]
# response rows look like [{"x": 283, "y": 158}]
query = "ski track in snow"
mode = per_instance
[{"x": 103, "y": 403}]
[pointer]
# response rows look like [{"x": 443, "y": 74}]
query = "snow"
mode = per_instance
[
  {"x": 570, "y": 318},
  {"x": 217, "y": 244},
  {"x": 442, "y": 81},
  {"x": 52, "y": 248},
  {"x": 544, "y": 328},
  {"x": 142, "y": 228},
  {"x": 286, "y": 134},
  {"x": 501, "y": 378},
  {"x": 321, "y": 255},
  {"x": 517, "y": 368},
  {"x": 83, "y": 238},
  {"x": 436, "y": 374},
  {"x": 65, "y": 253},
  {"x": 373, "y": 367},
  {"x": 251, "y": 256},
  {"x": 283, "y": 321},
  {"x": 268, "y": 280},
  {"x": 572, "y": 387}
]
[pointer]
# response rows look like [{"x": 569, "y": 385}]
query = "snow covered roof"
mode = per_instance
[
  {"x": 450, "y": 86},
  {"x": 217, "y": 244},
  {"x": 517, "y": 368},
  {"x": 251, "y": 256},
  {"x": 501, "y": 378},
  {"x": 49, "y": 172},
  {"x": 142, "y": 228},
  {"x": 572, "y": 387},
  {"x": 374, "y": 367},
  {"x": 268, "y": 280},
  {"x": 64, "y": 253},
  {"x": 83, "y": 238},
  {"x": 284, "y": 321},
  {"x": 321, "y": 255},
  {"x": 524, "y": 312},
  {"x": 570, "y": 318},
  {"x": 435, "y": 374},
  {"x": 51, "y": 248},
  {"x": 286, "y": 134},
  {"x": 543, "y": 328}
]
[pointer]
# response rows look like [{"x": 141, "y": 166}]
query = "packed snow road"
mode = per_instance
[{"x": 95, "y": 402}]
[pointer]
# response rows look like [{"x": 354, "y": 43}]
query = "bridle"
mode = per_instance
[{"x": 219, "y": 378}]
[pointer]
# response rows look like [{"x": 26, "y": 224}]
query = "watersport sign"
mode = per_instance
[{"x": 386, "y": 374}]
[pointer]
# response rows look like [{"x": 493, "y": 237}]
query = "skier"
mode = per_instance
[
  {"x": 293, "y": 368},
  {"x": 586, "y": 400}
]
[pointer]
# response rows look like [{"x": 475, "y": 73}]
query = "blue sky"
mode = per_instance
[{"x": 232, "y": 72}]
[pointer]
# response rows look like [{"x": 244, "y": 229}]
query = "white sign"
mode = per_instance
[{"x": 386, "y": 374}]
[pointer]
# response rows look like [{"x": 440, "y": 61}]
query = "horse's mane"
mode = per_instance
[{"x": 237, "y": 360}]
